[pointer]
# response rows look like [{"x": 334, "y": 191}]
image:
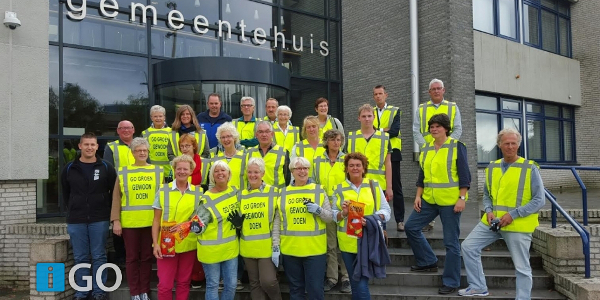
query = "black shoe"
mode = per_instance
[
  {"x": 102, "y": 296},
  {"x": 79, "y": 298},
  {"x": 429, "y": 268},
  {"x": 445, "y": 290},
  {"x": 328, "y": 285},
  {"x": 196, "y": 284}
]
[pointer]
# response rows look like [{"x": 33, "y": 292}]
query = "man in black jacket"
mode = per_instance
[{"x": 87, "y": 185}]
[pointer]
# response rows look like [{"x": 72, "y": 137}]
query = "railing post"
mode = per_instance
[{"x": 553, "y": 212}]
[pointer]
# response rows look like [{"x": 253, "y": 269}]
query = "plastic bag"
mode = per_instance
[
  {"x": 167, "y": 239},
  {"x": 356, "y": 211}
]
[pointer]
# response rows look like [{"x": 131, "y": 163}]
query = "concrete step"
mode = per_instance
[
  {"x": 495, "y": 259},
  {"x": 495, "y": 278},
  {"x": 378, "y": 292},
  {"x": 399, "y": 240}
]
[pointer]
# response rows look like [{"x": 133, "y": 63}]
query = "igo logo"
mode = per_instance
[{"x": 50, "y": 277}]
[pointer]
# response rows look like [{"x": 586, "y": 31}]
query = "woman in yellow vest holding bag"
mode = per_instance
[
  {"x": 259, "y": 241},
  {"x": 174, "y": 205},
  {"x": 367, "y": 192},
  {"x": 218, "y": 246},
  {"x": 132, "y": 216},
  {"x": 304, "y": 209}
]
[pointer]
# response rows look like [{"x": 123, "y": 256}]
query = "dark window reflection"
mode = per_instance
[
  {"x": 303, "y": 95},
  {"x": 313, "y": 6},
  {"x": 53, "y": 89},
  {"x": 170, "y": 97},
  {"x": 47, "y": 189},
  {"x": 333, "y": 51},
  {"x": 303, "y": 26},
  {"x": 183, "y": 43},
  {"x": 53, "y": 21},
  {"x": 188, "y": 8},
  {"x": 100, "y": 89},
  {"x": 305, "y": 63},
  {"x": 110, "y": 33},
  {"x": 254, "y": 14},
  {"x": 333, "y": 8},
  {"x": 249, "y": 50}
]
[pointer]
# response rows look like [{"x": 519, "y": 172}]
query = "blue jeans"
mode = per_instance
[
  {"x": 518, "y": 244},
  {"x": 421, "y": 248},
  {"x": 89, "y": 241},
  {"x": 305, "y": 274},
  {"x": 214, "y": 272},
  {"x": 360, "y": 289}
]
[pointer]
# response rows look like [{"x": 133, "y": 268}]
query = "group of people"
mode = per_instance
[{"x": 210, "y": 196}]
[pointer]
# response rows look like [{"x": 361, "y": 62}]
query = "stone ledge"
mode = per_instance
[
  {"x": 576, "y": 287},
  {"x": 577, "y": 214},
  {"x": 41, "y": 229},
  {"x": 558, "y": 243}
]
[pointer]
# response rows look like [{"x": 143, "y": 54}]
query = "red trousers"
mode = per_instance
[
  {"x": 138, "y": 259},
  {"x": 175, "y": 269}
]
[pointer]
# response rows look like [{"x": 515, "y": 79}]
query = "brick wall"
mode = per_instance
[{"x": 445, "y": 52}]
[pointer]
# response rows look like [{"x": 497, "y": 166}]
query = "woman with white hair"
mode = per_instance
[
  {"x": 304, "y": 208},
  {"x": 232, "y": 153},
  {"x": 259, "y": 241},
  {"x": 157, "y": 136},
  {"x": 218, "y": 246},
  {"x": 286, "y": 135}
]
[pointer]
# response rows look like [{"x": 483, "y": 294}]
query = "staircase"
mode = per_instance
[{"x": 401, "y": 283}]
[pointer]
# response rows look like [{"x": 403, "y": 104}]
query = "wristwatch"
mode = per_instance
[{"x": 461, "y": 197}]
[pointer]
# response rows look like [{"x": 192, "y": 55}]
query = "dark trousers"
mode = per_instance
[
  {"x": 305, "y": 274},
  {"x": 138, "y": 262},
  {"x": 119, "y": 246},
  {"x": 398, "y": 201}
]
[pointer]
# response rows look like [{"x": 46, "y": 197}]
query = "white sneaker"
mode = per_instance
[
  {"x": 136, "y": 297},
  {"x": 469, "y": 292}
]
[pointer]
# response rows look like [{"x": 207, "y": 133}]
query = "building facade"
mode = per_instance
[{"x": 527, "y": 64}]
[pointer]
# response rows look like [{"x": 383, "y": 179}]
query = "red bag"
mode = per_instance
[{"x": 356, "y": 211}]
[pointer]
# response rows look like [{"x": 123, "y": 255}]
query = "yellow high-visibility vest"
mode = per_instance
[
  {"x": 428, "y": 110},
  {"x": 259, "y": 208},
  {"x": 159, "y": 142},
  {"x": 219, "y": 243},
  {"x": 330, "y": 124},
  {"x": 302, "y": 233},
  {"x": 179, "y": 208},
  {"x": 274, "y": 163},
  {"x": 441, "y": 175},
  {"x": 287, "y": 141},
  {"x": 139, "y": 185},
  {"x": 245, "y": 129},
  {"x": 510, "y": 190},
  {"x": 304, "y": 149},
  {"x": 345, "y": 192},
  {"x": 122, "y": 155},
  {"x": 326, "y": 175},
  {"x": 386, "y": 120},
  {"x": 237, "y": 164},
  {"x": 200, "y": 139},
  {"x": 376, "y": 149}
]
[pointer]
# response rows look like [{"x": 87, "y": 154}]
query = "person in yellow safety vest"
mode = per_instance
[
  {"x": 387, "y": 119},
  {"x": 304, "y": 209},
  {"x": 326, "y": 121},
  {"x": 286, "y": 135},
  {"x": 376, "y": 146},
  {"x": 231, "y": 152},
  {"x": 174, "y": 205},
  {"x": 246, "y": 124},
  {"x": 442, "y": 185},
  {"x": 186, "y": 122},
  {"x": 311, "y": 146},
  {"x": 328, "y": 171},
  {"x": 158, "y": 135},
  {"x": 132, "y": 215},
  {"x": 259, "y": 241},
  {"x": 359, "y": 189},
  {"x": 218, "y": 246},
  {"x": 119, "y": 155},
  {"x": 271, "y": 106},
  {"x": 513, "y": 194},
  {"x": 275, "y": 157}
]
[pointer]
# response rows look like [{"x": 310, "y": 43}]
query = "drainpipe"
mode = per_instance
[{"x": 414, "y": 67}]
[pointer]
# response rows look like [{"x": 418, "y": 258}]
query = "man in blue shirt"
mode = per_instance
[{"x": 211, "y": 119}]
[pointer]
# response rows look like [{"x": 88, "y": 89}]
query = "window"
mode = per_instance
[
  {"x": 546, "y": 23},
  {"x": 547, "y": 129}
]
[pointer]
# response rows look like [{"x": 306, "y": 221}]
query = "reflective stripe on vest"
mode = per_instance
[
  {"x": 510, "y": 190},
  {"x": 376, "y": 149},
  {"x": 178, "y": 208},
  {"x": 200, "y": 139},
  {"x": 219, "y": 242},
  {"x": 259, "y": 209},
  {"x": 386, "y": 121},
  {"x": 326, "y": 175},
  {"x": 302, "y": 233},
  {"x": 428, "y": 110},
  {"x": 122, "y": 155},
  {"x": 441, "y": 184},
  {"x": 245, "y": 129},
  {"x": 159, "y": 141},
  {"x": 288, "y": 140},
  {"x": 274, "y": 163},
  {"x": 236, "y": 163},
  {"x": 139, "y": 186},
  {"x": 304, "y": 149},
  {"x": 344, "y": 192},
  {"x": 330, "y": 124}
]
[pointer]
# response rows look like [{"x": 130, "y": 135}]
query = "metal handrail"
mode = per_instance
[
  {"x": 585, "y": 235},
  {"x": 581, "y": 185}
]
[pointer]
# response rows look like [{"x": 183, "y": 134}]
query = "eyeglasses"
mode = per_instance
[
  {"x": 141, "y": 151},
  {"x": 185, "y": 146},
  {"x": 436, "y": 89},
  {"x": 301, "y": 169},
  {"x": 263, "y": 132},
  {"x": 246, "y": 105},
  {"x": 125, "y": 128},
  {"x": 223, "y": 137}
]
